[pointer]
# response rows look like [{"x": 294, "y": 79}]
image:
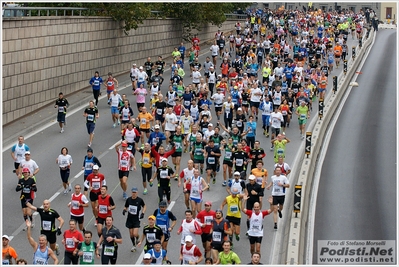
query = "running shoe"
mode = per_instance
[
  {"x": 62, "y": 130},
  {"x": 57, "y": 250},
  {"x": 271, "y": 148},
  {"x": 119, "y": 122},
  {"x": 114, "y": 125},
  {"x": 65, "y": 191},
  {"x": 151, "y": 184},
  {"x": 237, "y": 237},
  {"x": 124, "y": 195},
  {"x": 133, "y": 249},
  {"x": 95, "y": 222},
  {"x": 224, "y": 183},
  {"x": 89, "y": 144},
  {"x": 280, "y": 214},
  {"x": 145, "y": 191},
  {"x": 267, "y": 134},
  {"x": 213, "y": 180},
  {"x": 275, "y": 226},
  {"x": 209, "y": 187}
]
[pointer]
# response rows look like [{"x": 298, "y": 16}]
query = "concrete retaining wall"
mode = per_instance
[{"x": 45, "y": 56}]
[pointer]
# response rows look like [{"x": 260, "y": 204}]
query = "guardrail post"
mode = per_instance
[
  {"x": 360, "y": 42},
  {"x": 308, "y": 143},
  {"x": 335, "y": 84},
  {"x": 345, "y": 66},
  {"x": 297, "y": 199},
  {"x": 321, "y": 108},
  {"x": 353, "y": 52}
]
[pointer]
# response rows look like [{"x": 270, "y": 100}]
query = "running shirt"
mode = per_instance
[
  {"x": 277, "y": 189},
  {"x": 19, "y": 151},
  {"x": 124, "y": 160}
]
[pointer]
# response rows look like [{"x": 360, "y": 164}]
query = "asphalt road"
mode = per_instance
[
  {"x": 46, "y": 145},
  {"x": 356, "y": 197}
]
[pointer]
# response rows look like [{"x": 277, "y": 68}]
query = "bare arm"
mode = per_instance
[
  {"x": 32, "y": 242},
  {"x": 61, "y": 222},
  {"x": 31, "y": 206},
  {"x": 53, "y": 256}
]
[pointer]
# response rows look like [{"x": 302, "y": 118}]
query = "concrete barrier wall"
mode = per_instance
[
  {"x": 298, "y": 228},
  {"x": 45, "y": 56}
]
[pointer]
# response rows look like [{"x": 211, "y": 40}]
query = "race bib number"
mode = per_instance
[
  {"x": 284, "y": 112},
  {"x": 239, "y": 162},
  {"x": 208, "y": 220},
  {"x": 103, "y": 209},
  {"x": 233, "y": 208},
  {"x": 60, "y": 109},
  {"x": 96, "y": 185},
  {"x": 87, "y": 257},
  {"x": 228, "y": 154},
  {"x": 143, "y": 121},
  {"x": 151, "y": 237},
  {"x": 159, "y": 111},
  {"x": 187, "y": 103},
  {"x": 211, "y": 160},
  {"x": 124, "y": 163},
  {"x": 239, "y": 123},
  {"x": 109, "y": 251},
  {"x": 194, "y": 191},
  {"x": 163, "y": 174},
  {"x": 177, "y": 145},
  {"x": 96, "y": 82},
  {"x": 69, "y": 243},
  {"x": 75, "y": 204},
  {"x": 303, "y": 116},
  {"x": 40, "y": 261},
  {"x": 259, "y": 180},
  {"x": 280, "y": 151},
  {"x": 90, "y": 117},
  {"x": 146, "y": 160},
  {"x": 163, "y": 227},
  {"x": 217, "y": 236},
  {"x": 46, "y": 225},
  {"x": 26, "y": 190},
  {"x": 133, "y": 209}
]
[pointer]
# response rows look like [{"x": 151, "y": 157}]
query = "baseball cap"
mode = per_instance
[
  {"x": 237, "y": 173},
  {"x": 6, "y": 237},
  {"x": 157, "y": 241},
  {"x": 252, "y": 177},
  {"x": 208, "y": 203},
  {"x": 156, "y": 126},
  {"x": 90, "y": 150},
  {"x": 211, "y": 67},
  {"x": 134, "y": 64},
  {"x": 162, "y": 204},
  {"x": 141, "y": 67},
  {"x": 210, "y": 124},
  {"x": 147, "y": 256},
  {"x": 27, "y": 152},
  {"x": 188, "y": 238},
  {"x": 239, "y": 109},
  {"x": 124, "y": 144},
  {"x": 151, "y": 217},
  {"x": 164, "y": 159},
  {"x": 134, "y": 189},
  {"x": 219, "y": 210},
  {"x": 25, "y": 170},
  {"x": 95, "y": 167}
]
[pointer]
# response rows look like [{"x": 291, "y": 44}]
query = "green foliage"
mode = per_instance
[{"x": 191, "y": 14}]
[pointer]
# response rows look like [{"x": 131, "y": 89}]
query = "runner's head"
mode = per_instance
[
  {"x": 72, "y": 224},
  {"x": 208, "y": 206},
  {"x": 277, "y": 171},
  {"x": 164, "y": 162},
  {"x": 46, "y": 204},
  {"x": 88, "y": 235}
]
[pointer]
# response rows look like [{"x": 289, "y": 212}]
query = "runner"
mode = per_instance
[
  {"x": 125, "y": 114},
  {"x": 186, "y": 174},
  {"x": 72, "y": 237},
  {"x": 77, "y": 205},
  {"x": 177, "y": 138},
  {"x": 94, "y": 182},
  {"x": 163, "y": 217},
  {"x": 279, "y": 146},
  {"x": 141, "y": 93},
  {"x": 205, "y": 218},
  {"x": 105, "y": 205},
  {"x": 190, "y": 254},
  {"x": 47, "y": 216},
  {"x": 111, "y": 81},
  {"x": 197, "y": 186},
  {"x": 18, "y": 152},
  {"x": 240, "y": 160},
  {"x": 158, "y": 254},
  {"x": 134, "y": 71},
  {"x": 255, "y": 259},
  {"x": 30, "y": 164},
  {"x": 236, "y": 182},
  {"x": 27, "y": 186},
  {"x": 144, "y": 118},
  {"x": 228, "y": 257},
  {"x": 233, "y": 202},
  {"x": 91, "y": 114},
  {"x": 255, "y": 229},
  {"x": 285, "y": 168},
  {"x": 212, "y": 155},
  {"x": 125, "y": 161},
  {"x": 189, "y": 228},
  {"x": 151, "y": 233},
  {"x": 163, "y": 175},
  {"x": 133, "y": 206},
  {"x": 198, "y": 150},
  {"x": 276, "y": 118},
  {"x": 279, "y": 183},
  {"x": 61, "y": 104},
  {"x": 110, "y": 238},
  {"x": 96, "y": 82},
  {"x": 303, "y": 114},
  {"x": 87, "y": 250},
  {"x": 256, "y": 154},
  {"x": 88, "y": 163},
  {"x": 146, "y": 162},
  {"x": 8, "y": 252},
  {"x": 220, "y": 229},
  {"x": 41, "y": 252},
  {"x": 64, "y": 162}
]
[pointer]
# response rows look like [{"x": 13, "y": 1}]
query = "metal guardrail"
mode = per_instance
[{"x": 19, "y": 11}]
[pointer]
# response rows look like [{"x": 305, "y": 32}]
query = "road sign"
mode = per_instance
[
  {"x": 297, "y": 198},
  {"x": 321, "y": 107},
  {"x": 360, "y": 42},
  {"x": 308, "y": 143},
  {"x": 353, "y": 52},
  {"x": 345, "y": 66}
]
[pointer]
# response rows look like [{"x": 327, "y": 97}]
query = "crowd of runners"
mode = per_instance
[{"x": 268, "y": 70}]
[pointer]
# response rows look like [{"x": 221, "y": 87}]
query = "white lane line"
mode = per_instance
[
  {"x": 113, "y": 146},
  {"x": 79, "y": 174},
  {"x": 140, "y": 259}
]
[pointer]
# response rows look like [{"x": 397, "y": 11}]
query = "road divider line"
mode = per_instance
[{"x": 113, "y": 146}]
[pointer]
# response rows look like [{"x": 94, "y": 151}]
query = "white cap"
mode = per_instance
[
  {"x": 237, "y": 173},
  {"x": 156, "y": 126},
  {"x": 239, "y": 109},
  {"x": 210, "y": 124},
  {"x": 164, "y": 159},
  {"x": 252, "y": 177},
  {"x": 6, "y": 237},
  {"x": 188, "y": 238},
  {"x": 95, "y": 167},
  {"x": 147, "y": 256},
  {"x": 141, "y": 67}
]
